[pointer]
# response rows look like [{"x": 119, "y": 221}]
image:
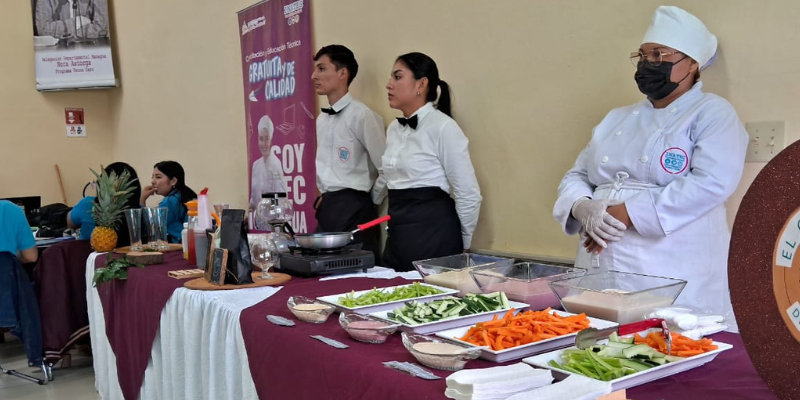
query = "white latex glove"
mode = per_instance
[{"x": 597, "y": 223}]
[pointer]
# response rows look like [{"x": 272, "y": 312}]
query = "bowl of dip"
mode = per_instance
[
  {"x": 365, "y": 328},
  {"x": 309, "y": 310},
  {"x": 438, "y": 353},
  {"x": 621, "y": 297},
  {"x": 453, "y": 271},
  {"x": 526, "y": 282}
]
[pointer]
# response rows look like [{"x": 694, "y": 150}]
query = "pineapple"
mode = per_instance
[{"x": 112, "y": 194}]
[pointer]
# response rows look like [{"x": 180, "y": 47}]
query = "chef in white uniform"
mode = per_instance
[
  {"x": 267, "y": 173},
  {"x": 649, "y": 189}
]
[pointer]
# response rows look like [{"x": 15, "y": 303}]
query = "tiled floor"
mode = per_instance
[{"x": 75, "y": 382}]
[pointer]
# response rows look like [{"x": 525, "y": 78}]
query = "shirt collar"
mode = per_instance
[
  {"x": 342, "y": 103},
  {"x": 423, "y": 111}
]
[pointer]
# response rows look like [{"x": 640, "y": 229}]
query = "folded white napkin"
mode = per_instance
[
  {"x": 495, "y": 383},
  {"x": 574, "y": 387},
  {"x": 684, "y": 318},
  {"x": 703, "y": 330},
  {"x": 375, "y": 273}
]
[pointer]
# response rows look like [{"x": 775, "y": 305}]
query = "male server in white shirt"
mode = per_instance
[{"x": 350, "y": 144}]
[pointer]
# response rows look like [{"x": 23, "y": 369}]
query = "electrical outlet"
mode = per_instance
[{"x": 766, "y": 140}]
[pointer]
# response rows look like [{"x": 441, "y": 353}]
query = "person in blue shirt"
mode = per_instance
[
  {"x": 169, "y": 181},
  {"x": 16, "y": 236},
  {"x": 80, "y": 217}
]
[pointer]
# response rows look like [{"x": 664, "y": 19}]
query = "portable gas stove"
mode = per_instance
[{"x": 310, "y": 262}]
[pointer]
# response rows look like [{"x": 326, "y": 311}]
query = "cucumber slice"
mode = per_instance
[
  {"x": 635, "y": 365},
  {"x": 504, "y": 300},
  {"x": 640, "y": 350},
  {"x": 456, "y": 310},
  {"x": 618, "y": 345}
]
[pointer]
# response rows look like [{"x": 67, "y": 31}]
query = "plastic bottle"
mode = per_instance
[
  {"x": 192, "y": 212},
  {"x": 185, "y": 240},
  {"x": 203, "y": 223}
]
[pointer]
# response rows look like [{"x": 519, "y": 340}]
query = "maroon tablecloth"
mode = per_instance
[
  {"x": 286, "y": 364},
  {"x": 61, "y": 291},
  {"x": 132, "y": 311}
]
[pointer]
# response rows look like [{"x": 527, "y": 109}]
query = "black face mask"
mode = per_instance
[{"x": 654, "y": 81}]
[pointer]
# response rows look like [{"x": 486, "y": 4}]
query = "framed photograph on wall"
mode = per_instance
[{"x": 72, "y": 46}]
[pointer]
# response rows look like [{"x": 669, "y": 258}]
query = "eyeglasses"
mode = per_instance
[{"x": 653, "y": 57}]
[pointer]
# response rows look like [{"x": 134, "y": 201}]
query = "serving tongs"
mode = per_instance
[{"x": 589, "y": 336}]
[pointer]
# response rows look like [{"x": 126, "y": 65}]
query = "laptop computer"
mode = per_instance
[
  {"x": 29, "y": 204},
  {"x": 288, "y": 120}
]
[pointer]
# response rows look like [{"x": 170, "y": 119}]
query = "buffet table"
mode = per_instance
[{"x": 153, "y": 339}]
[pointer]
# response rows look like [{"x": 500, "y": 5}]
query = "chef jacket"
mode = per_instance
[{"x": 673, "y": 168}]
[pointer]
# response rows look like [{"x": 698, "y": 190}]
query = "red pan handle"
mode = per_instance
[
  {"x": 372, "y": 223},
  {"x": 639, "y": 326}
]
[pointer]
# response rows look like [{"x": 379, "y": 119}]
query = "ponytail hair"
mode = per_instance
[{"x": 423, "y": 66}]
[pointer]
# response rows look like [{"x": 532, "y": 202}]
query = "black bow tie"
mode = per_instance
[
  {"x": 330, "y": 111},
  {"x": 412, "y": 122}
]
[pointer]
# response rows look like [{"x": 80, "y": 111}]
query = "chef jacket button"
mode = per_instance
[
  {"x": 643, "y": 159},
  {"x": 604, "y": 159},
  {"x": 635, "y": 112},
  {"x": 673, "y": 109},
  {"x": 657, "y": 131},
  {"x": 618, "y": 133}
]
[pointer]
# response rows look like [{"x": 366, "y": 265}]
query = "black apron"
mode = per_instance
[
  {"x": 343, "y": 210},
  {"x": 424, "y": 225}
]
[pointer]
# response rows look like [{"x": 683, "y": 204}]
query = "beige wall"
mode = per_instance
[
  {"x": 530, "y": 79},
  {"x": 32, "y": 129}
]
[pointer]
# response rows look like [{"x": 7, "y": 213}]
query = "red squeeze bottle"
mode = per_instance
[{"x": 192, "y": 212}]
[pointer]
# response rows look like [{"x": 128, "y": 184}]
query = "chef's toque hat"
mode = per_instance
[
  {"x": 676, "y": 28},
  {"x": 266, "y": 123}
]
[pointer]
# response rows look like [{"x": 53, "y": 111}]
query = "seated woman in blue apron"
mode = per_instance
[
  {"x": 169, "y": 180},
  {"x": 426, "y": 157},
  {"x": 649, "y": 190},
  {"x": 350, "y": 142}
]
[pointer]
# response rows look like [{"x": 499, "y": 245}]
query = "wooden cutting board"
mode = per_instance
[
  {"x": 202, "y": 284},
  {"x": 172, "y": 247}
]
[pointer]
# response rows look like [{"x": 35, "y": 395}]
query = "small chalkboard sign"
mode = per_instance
[{"x": 219, "y": 267}]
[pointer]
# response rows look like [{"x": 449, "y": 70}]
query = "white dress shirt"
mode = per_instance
[
  {"x": 435, "y": 154},
  {"x": 267, "y": 177},
  {"x": 349, "y": 149}
]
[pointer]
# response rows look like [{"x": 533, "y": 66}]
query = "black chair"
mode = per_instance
[{"x": 20, "y": 312}]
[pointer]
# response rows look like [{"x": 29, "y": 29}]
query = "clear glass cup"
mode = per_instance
[
  {"x": 163, "y": 241},
  {"x": 134, "y": 218},
  {"x": 157, "y": 228},
  {"x": 150, "y": 222},
  {"x": 264, "y": 254}
]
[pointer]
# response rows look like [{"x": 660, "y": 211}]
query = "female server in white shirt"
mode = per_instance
[
  {"x": 426, "y": 157},
  {"x": 649, "y": 190}
]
